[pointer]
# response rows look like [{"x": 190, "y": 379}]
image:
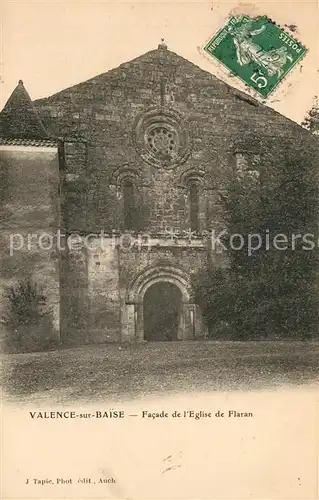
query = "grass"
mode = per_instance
[{"x": 110, "y": 371}]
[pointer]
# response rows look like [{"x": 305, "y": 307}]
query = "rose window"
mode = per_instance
[
  {"x": 162, "y": 142},
  {"x": 161, "y": 138}
]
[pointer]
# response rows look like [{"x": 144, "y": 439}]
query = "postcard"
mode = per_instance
[{"x": 159, "y": 250}]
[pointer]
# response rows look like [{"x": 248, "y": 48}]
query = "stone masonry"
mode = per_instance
[{"x": 157, "y": 126}]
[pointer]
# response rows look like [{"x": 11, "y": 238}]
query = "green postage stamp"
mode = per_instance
[{"x": 256, "y": 50}]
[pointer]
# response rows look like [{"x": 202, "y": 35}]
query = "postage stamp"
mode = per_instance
[{"x": 256, "y": 50}]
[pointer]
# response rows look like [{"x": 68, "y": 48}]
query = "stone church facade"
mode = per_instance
[{"x": 130, "y": 165}]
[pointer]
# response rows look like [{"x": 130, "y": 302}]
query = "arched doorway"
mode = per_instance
[
  {"x": 132, "y": 315},
  {"x": 162, "y": 312}
]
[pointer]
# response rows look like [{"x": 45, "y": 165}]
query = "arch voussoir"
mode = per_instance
[{"x": 149, "y": 276}]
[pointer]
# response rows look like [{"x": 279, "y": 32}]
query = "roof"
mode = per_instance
[
  {"x": 161, "y": 59},
  {"x": 19, "y": 117},
  {"x": 29, "y": 142}
]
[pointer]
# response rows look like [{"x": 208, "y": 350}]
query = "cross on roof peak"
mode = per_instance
[{"x": 162, "y": 45}]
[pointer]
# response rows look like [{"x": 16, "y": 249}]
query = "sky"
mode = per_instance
[{"x": 52, "y": 45}]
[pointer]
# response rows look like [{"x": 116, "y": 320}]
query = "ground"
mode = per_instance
[{"x": 104, "y": 372}]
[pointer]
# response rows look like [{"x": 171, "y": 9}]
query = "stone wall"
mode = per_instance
[
  {"x": 97, "y": 278},
  {"x": 101, "y": 123},
  {"x": 104, "y": 112},
  {"x": 29, "y": 220}
]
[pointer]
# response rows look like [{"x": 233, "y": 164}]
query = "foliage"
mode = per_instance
[
  {"x": 270, "y": 292},
  {"x": 213, "y": 292},
  {"x": 28, "y": 323},
  {"x": 311, "y": 121}
]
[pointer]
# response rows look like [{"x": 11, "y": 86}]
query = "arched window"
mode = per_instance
[
  {"x": 194, "y": 206},
  {"x": 129, "y": 204},
  {"x": 247, "y": 166}
]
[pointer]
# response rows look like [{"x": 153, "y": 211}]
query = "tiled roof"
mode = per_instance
[
  {"x": 28, "y": 142},
  {"x": 19, "y": 117}
]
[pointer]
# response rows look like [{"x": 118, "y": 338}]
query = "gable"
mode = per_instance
[{"x": 159, "y": 78}]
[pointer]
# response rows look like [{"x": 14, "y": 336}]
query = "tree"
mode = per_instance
[
  {"x": 213, "y": 292},
  {"x": 269, "y": 290},
  {"x": 311, "y": 121},
  {"x": 28, "y": 322}
]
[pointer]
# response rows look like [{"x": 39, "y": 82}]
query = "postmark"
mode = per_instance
[{"x": 256, "y": 50}]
